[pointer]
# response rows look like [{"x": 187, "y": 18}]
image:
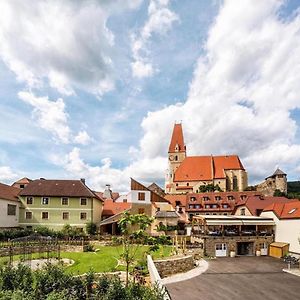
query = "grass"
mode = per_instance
[{"x": 105, "y": 259}]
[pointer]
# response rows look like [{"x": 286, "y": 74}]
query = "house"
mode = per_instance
[
  {"x": 214, "y": 203},
  {"x": 54, "y": 203},
  {"x": 223, "y": 236},
  {"x": 9, "y": 206},
  {"x": 21, "y": 183},
  {"x": 254, "y": 205},
  {"x": 277, "y": 181},
  {"x": 188, "y": 173},
  {"x": 156, "y": 189},
  {"x": 141, "y": 200},
  {"x": 287, "y": 220}
]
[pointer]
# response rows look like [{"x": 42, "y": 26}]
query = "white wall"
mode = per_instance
[
  {"x": 286, "y": 231},
  {"x": 5, "y": 220}
]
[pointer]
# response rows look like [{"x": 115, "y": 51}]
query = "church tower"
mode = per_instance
[{"x": 176, "y": 155}]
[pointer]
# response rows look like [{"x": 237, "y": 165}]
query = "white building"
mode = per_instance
[
  {"x": 9, "y": 206},
  {"x": 287, "y": 219}
]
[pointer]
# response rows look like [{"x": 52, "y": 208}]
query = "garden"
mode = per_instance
[{"x": 93, "y": 273}]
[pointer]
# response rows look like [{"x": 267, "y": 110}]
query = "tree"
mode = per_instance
[
  {"x": 278, "y": 193},
  {"x": 209, "y": 188},
  {"x": 91, "y": 228},
  {"x": 134, "y": 235}
]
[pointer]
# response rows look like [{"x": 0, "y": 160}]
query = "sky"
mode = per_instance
[{"x": 91, "y": 89}]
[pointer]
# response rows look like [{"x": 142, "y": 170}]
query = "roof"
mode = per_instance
[
  {"x": 276, "y": 173},
  {"x": 177, "y": 139},
  {"x": 22, "y": 180},
  {"x": 195, "y": 168},
  {"x": 57, "y": 188},
  {"x": 111, "y": 208},
  {"x": 8, "y": 192},
  {"x": 290, "y": 210},
  {"x": 173, "y": 198},
  {"x": 254, "y": 203},
  {"x": 156, "y": 189},
  {"x": 112, "y": 219},
  {"x": 234, "y": 220},
  {"x": 166, "y": 214}
]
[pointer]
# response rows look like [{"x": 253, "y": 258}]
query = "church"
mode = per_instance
[{"x": 188, "y": 173}]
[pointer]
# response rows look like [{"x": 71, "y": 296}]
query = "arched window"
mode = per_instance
[
  {"x": 228, "y": 187},
  {"x": 176, "y": 157}
]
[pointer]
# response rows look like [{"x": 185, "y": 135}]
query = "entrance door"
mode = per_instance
[
  {"x": 221, "y": 250},
  {"x": 245, "y": 248},
  {"x": 263, "y": 249}
]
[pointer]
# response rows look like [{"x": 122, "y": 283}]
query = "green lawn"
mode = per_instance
[{"x": 103, "y": 260}]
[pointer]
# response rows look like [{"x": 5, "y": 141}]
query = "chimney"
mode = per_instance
[
  {"x": 107, "y": 194},
  {"x": 82, "y": 180}
]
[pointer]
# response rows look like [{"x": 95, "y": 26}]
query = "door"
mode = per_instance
[
  {"x": 221, "y": 250},
  {"x": 263, "y": 249}
]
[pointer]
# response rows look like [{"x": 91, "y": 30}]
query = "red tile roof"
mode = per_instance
[
  {"x": 57, "y": 188},
  {"x": 195, "y": 168},
  {"x": 23, "y": 180},
  {"x": 290, "y": 210},
  {"x": 111, "y": 208},
  {"x": 177, "y": 138},
  {"x": 254, "y": 203},
  {"x": 115, "y": 195},
  {"x": 8, "y": 192},
  {"x": 173, "y": 198}
]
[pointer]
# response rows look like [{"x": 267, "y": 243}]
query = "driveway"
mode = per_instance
[{"x": 240, "y": 278}]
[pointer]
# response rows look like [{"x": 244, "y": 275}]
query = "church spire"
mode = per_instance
[{"x": 177, "y": 141}]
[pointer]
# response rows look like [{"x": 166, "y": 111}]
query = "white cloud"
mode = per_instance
[
  {"x": 6, "y": 174},
  {"x": 49, "y": 115},
  {"x": 82, "y": 138},
  {"x": 244, "y": 88},
  {"x": 160, "y": 20},
  {"x": 65, "y": 44}
]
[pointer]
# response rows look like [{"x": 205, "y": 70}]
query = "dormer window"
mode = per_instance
[
  {"x": 205, "y": 198},
  {"x": 193, "y": 199},
  {"x": 218, "y": 198}
]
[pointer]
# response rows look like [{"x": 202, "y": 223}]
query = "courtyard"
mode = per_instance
[{"x": 238, "y": 278}]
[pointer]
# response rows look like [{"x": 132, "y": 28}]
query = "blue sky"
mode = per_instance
[{"x": 92, "y": 88}]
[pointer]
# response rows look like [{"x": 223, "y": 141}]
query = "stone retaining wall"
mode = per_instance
[{"x": 167, "y": 267}]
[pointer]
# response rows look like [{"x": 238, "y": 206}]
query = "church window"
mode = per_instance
[
  {"x": 228, "y": 188},
  {"x": 187, "y": 184},
  {"x": 235, "y": 183},
  {"x": 176, "y": 157}
]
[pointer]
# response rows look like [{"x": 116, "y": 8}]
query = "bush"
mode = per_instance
[{"x": 88, "y": 248}]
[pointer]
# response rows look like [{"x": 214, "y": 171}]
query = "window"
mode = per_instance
[
  {"x": 230, "y": 197},
  {"x": 141, "y": 196},
  {"x": 197, "y": 206},
  {"x": 243, "y": 211},
  {"x": 83, "y": 216},
  {"x": 191, "y": 206},
  {"x": 29, "y": 200},
  {"x": 218, "y": 198},
  {"x": 157, "y": 208},
  {"x": 193, "y": 199},
  {"x": 177, "y": 203},
  {"x": 22, "y": 186},
  {"x": 180, "y": 210},
  {"x": 142, "y": 210},
  {"x": 45, "y": 200},
  {"x": 28, "y": 215},
  {"x": 235, "y": 183},
  {"x": 83, "y": 201},
  {"x": 11, "y": 210},
  {"x": 225, "y": 206},
  {"x": 64, "y": 201},
  {"x": 45, "y": 215},
  {"x": 187, "y": 184},
  {"x": 65, "y": 216},
  {"x": 214, "y": 206},
  {"x": 176, "y": 157},
  {"x": 124, "y": 200},
  {"x": 207, "y": 206}
]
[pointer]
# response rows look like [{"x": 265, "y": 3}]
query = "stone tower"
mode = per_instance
[{"x": 176, "y": 153}]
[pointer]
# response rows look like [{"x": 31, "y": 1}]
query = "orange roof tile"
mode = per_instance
[
  {"x": 194, "y": 168},
  {"x": 255, "y": 203},
  {"x": 177, "y": 138},
  {"x": 226, "y": 162},
  {"x": 111, "y": 208},
  {"x": 290, "y": 210},
  {"x": 173, "y": 198},
  {"x": 8, "y": 192}
]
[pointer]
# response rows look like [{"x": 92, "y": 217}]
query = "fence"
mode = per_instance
[{"x": 155, "y": 277}]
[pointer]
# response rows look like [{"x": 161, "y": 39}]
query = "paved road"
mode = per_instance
[{"x": 240, "y": 278}]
